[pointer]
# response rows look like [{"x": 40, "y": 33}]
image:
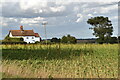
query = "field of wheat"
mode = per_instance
[{"x": 60, "y": 61}]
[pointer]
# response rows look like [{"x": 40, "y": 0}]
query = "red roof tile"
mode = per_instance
[
  {"x": 22, "y": 33},
  {"x": 37, "y": 35}
]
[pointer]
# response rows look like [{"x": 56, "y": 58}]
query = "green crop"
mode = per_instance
[{"x": 61, "y": 60}]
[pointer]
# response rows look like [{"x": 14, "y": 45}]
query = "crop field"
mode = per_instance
[{"x": 60, "y": 61}]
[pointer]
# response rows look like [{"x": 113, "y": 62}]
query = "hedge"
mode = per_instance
[{"x": 7, "y": 42}]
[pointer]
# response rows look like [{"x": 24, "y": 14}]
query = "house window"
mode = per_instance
[
  {"x": 32, "y": 37},
  {"x": 27, "y": 37}
]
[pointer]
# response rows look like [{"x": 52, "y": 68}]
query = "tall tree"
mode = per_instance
[{"x": 102, "y": 28}]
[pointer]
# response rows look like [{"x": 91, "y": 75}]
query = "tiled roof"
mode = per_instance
[
  {"x": 37, "y": 35},
  {"x": 22, "y": 32}
]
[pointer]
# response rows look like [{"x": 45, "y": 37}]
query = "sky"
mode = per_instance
[{"x": 63, "y": 17}]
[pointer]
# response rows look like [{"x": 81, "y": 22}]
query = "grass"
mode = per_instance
[
  {"x": 61, "y": 60},
  {"x": 4, "y": 75}
]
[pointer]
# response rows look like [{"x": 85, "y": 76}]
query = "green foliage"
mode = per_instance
[
  {"x": 44, "y": 42},
  {"x": 68, "y": 39},
  {"x": 12, "y": 42},
  {"x": 55, "y": 40},
  {"x": 119, "y": 39},
  {"x": 113, "y": 40},
  {"x": 7, "y": 38},
  {"x": 102, "y": 28},
  {"x": 37, "y": 42}
]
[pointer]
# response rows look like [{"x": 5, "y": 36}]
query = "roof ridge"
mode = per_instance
[
  {"x": 20, "y": 30},
  {"x": 25, "y": 33}
]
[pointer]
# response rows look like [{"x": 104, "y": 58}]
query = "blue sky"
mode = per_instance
[{"x": 63, "y": 17}]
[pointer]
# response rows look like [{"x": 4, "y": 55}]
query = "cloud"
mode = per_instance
[
  {"x": 80, "y": 18},
  {"x": 57, "y": 13},
  {"x": 31, "y": 4},
  {"x": 3, "y": 24},
  {"x": 31, "y": 20},
  {"x": 31, "y": 10},
  {"x": 108, "y": 9},
  {"x": 90, "y": 15},
  {"x": 54, "y": 12},
  {"x": 57, "y": 9}
]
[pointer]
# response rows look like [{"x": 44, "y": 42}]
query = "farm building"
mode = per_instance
[{"x": 28, "y": 35}]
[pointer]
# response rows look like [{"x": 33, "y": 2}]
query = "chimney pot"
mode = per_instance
[{"x": 21, "y": 28}]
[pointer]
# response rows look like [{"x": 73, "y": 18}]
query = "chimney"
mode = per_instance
[{"x": 21, "y": 28}]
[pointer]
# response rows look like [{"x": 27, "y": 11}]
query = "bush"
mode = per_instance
[
  {"x": 55, "y": 40},
  {"x": 110, "y": 40},
  {"x": 113, "y": 40},
  {"x": 9, "y": 42},
  {"x": 37, "y": 42},
  {"x": 44, "y": 42},
  {"x": 13, "y": 39},
  {"x": 7, "y": 38},
  {"x": 119, "y": 39},
  {"x": 68, "y": 39}
]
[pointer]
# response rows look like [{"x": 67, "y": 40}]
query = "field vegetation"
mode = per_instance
[{"x": 60, "y": 60}]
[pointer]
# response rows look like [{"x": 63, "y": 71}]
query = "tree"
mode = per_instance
[
  {"x": 64, "y": 39},
  {"x": 119, "y": 39},
  {"x": 102, "y": 28},
  {"x": 68, "y": 39},
  {"x": 114, "y": 40},
  {"x": 56, "y": 40}
]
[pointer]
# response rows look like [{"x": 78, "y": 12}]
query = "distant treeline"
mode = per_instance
[
  {"x": 112, "y": 40},
  {"x": 65, "y": 39},
  {"x": 94, "y": 40}
]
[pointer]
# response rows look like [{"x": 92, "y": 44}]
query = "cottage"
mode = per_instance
[{"x": 28, "y": 35}]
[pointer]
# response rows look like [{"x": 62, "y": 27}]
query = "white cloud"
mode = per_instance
[
  {"x": 108, "y": 9},
  {"x": 34, "y": 12},
  {"x": 61, "y": 1},
  {"x": 3, "y": 23},
  {"x": 32, "y": 4},
  {"x": 13, "y": 19},
  {"x": 57, "y": 9},
  {"x": 80, "y": 18},
  {"x": 32, "y": 20},
  {"x": 114, "y": 17},
  {"x": 90, "y": 15},
  {"x": 59, "y": 14},
  {"x": 79, "y": 15}
]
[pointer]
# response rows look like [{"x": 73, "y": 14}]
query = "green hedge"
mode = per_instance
[
  {"x": 13, "y": 39},
  {"x": 7, "y": 42}
]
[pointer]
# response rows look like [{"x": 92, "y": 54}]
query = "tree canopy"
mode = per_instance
[
  {"x": 68, "y": 39},
  {"x": 102, "y": 28},
  {"x": 55, "y": 40}
]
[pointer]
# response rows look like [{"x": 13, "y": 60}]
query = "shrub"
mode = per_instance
[
  {"x": 55, "y": 40},
  {"x": 68, "y": 39},
  {"x": 10, "y": 42},
  {"x": 7, "y": 38}
]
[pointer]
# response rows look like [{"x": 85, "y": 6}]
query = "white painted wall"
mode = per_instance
[
  {"x": 28, "y": 39},
  {"x": 37, "y": 38},
  {"x": 31, "y": 39},
  {"x": 10, "y": 35}
]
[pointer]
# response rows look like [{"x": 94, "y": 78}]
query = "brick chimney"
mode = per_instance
[{"x": 21, "y": 28}]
